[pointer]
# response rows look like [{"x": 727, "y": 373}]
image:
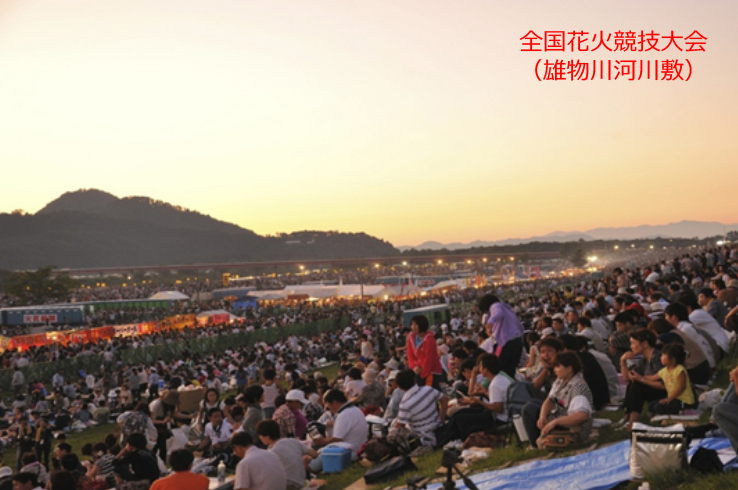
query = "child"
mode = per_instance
[
  {"x": 271, "y": 390},
  {"x": 675, "y": 379}
]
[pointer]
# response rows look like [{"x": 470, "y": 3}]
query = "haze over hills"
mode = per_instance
[
  {"x": 682, "y": 229},
  {"x": 92, "y": 228}
]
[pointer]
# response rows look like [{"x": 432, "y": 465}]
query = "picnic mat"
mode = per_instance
[{"x": 601, "y": 469}]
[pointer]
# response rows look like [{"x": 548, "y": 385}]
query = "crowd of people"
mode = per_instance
[{"x": 643, "y": 337}]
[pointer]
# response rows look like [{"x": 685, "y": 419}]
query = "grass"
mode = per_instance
[{"x": 91, "y": 435}]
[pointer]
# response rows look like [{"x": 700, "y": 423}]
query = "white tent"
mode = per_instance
[
  {"x": 170, "y": 295},
  {"x": 270, "y": 294},
  {"x": 369, "y": 290},
  {"x": 210, "y": 313},
  {"x": 312, "y": 290},
  {"x": 444, "y": 285}
]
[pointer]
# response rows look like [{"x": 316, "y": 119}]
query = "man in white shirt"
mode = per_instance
[
  {"x": 489, "y": 367},
  {"x": 57, "y": 381},
  {"x": 677, "y": 315},
  {"x": 292, "y": 452},
  {"x": 350, "y": 428},
  {"x": 702, "y": 320},
  {"x": 584, "y": 328},
  {"x": 258, "y": 469}
]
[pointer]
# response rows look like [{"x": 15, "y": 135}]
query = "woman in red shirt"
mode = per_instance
[{"x": 422, "y": 352}]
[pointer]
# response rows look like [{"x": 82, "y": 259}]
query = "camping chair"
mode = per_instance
[{"x": 518, "y": 394}]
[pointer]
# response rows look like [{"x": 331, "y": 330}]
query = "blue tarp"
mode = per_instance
[
  {"x": 719, "y": 444},
  {"x": 601, "y": 469}
]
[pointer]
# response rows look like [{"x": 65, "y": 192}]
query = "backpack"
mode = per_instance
[
  {"x": 706, "y": 461},
  {"x": 518, "y": 394},
  {"x": 136, "y": 423},
  {"x": 378, "y": 450}
]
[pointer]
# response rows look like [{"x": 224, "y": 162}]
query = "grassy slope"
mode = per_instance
[{"x": 427, "y": 465}]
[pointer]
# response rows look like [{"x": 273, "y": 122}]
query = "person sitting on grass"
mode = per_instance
[
  {"x": 642, "y": 388},
  {"x": 182, "y": 478},
  {"x": 350, "y": 428},
  {"x": 422, "y": 409},
  {"x": 134, "y": 462},
  {"x": 481, "y": 415},
  {"x": 293, "y": 454},
  {"x": 569, "y": 406},
  {"x": 217, "y": 434},
  {"x": 25, "y": 481},
  {"x": 258, "y": 469},
  {"x": 674, "y": 376}
]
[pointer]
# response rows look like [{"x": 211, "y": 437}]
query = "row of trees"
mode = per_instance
[{"x": 39, "y": 286}]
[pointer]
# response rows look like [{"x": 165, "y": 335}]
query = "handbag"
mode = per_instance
[
  {"x": 390, "y": 469},
  {"x": 656, "y": 450},
  {"x": 557, "y": 439}
]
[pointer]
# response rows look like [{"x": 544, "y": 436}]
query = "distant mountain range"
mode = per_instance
[
  {"x": 92, "y": 228},
  {"x": 682, "y": 229}
]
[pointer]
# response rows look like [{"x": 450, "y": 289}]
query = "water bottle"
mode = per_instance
[{"x": 221, "y": 471}]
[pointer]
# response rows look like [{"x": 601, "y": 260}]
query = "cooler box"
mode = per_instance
[{"x": 335, "y": 459}]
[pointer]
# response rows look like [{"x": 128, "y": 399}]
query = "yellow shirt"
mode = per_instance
[{"x": 671, "y": 383}]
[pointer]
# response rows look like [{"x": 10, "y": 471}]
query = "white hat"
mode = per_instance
[
  {"x": 370, "y": 376},
  {"x": 392, "y": 364},
  {"x": 547, "y": 331},
  {"x": 392, "y": 375},
  {"x": 296, "y": 395},
  {"x": 6, "y": 471}
]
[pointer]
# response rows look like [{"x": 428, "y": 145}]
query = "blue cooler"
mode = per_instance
[{"x": 335, "y": 459}]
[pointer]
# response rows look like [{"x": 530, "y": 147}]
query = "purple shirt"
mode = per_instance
[
  {"x": 300, "y": 424},
  {"x": 504, "y": 324}
]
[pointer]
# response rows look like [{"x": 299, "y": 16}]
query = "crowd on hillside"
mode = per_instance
[{"x": 648, "y": 337}]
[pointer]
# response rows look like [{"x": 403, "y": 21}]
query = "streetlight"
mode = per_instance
[{"x": 404, "y": 262}]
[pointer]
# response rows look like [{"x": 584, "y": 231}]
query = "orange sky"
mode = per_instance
[{"x": 411, "y": 120}]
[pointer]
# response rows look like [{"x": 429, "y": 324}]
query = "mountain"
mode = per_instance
[
  {"x": 92, "y": 228},
  {"x": 681, "y": 229}
]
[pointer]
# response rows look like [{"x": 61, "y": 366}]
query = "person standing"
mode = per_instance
[
  {"x": 18, "y": 382},
  {"x": 422, "y": 352},
  {"x": 503, "y": 324}
]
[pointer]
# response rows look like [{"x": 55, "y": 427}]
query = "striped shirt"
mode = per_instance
[{"x": 419, "y": 412}]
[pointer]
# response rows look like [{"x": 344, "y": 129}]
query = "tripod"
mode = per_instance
[{"x": 449, "y": 461}]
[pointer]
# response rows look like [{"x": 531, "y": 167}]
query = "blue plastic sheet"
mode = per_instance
[
  {"x": 721, "y": 445},
  {"x": 601, "y": 469}
]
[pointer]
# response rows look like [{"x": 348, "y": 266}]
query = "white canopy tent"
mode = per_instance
[
  {"x": 170, "y": 295},
  {"x": 206, "y": 314}
]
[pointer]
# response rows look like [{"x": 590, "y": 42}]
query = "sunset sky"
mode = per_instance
[{"x": 411, "y": 120}]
